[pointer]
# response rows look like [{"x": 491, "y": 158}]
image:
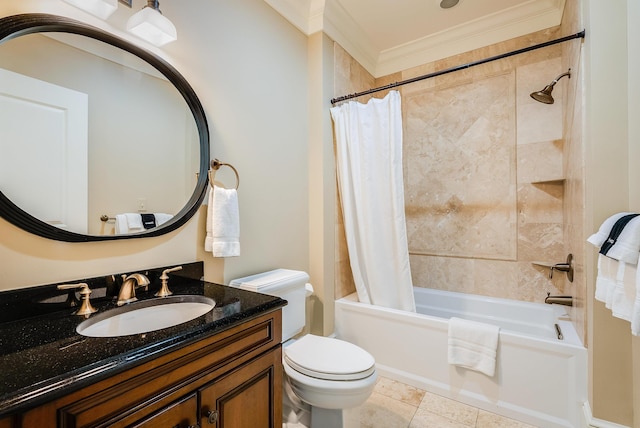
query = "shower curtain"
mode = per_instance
[{"x": 369, "y": 163}]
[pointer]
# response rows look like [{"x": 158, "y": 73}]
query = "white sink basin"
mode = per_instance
[{"x": 146, "y": 316}]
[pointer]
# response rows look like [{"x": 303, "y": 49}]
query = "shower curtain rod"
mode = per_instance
[{"x": 579, "y": 35}]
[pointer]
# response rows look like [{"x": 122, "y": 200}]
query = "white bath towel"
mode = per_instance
[
  {"x": 606, "y": 278},
  {"x": 598, "y": 238},
  {"x": 627, "y": 246},
  {"x": 223, "y": 223},
  {"x": 618, "y": 287},
  {"x": 473, "y": 345},
  {"x": 624, "y": 293},
  {"x": 635, "y": 312}
]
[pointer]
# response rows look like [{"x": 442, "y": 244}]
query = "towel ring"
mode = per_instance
[{"x": 216, "y": 165}]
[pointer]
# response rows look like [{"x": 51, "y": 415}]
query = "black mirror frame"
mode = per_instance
[{"x": 19, "y": 25}]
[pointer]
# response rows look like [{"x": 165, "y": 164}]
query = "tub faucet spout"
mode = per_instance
[{"x": 559, "y": 300}]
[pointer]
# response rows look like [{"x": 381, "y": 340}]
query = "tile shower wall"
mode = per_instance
[{"x": 483, "y": 167}]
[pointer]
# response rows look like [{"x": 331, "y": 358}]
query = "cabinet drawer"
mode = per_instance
[{"x": 181, "y": 414}]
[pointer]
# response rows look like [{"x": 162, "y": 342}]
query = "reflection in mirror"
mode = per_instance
[{"x": 88, "y": 129}]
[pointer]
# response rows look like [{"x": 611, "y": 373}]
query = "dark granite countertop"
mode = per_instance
[{"x": 42, "y": 357}]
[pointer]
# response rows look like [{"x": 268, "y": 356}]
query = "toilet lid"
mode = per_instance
[{"x": 328, "y": 358}]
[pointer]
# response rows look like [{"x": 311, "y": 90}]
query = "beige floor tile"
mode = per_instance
[
  {"x": 451, "y": 409},
  {"x": 399, "y": 391},
  {"x": 491, "y": 420},
  {"x": 426, "y": 419},
  {"x": 379, "y": 412}
]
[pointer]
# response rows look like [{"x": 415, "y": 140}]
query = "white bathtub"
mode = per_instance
[{"x": 539, "y": 379}]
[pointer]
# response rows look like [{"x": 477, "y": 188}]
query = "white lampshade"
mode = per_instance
[
  {"x": 100, "y": 8},
  {"x": 150, "y": 25}
]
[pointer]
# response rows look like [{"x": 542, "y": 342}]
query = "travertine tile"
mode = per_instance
[
  {"x": 399, "y": 391},
  {"x": 379, "y": 412},
  {"x": 426, "y": 419},
  {"x": 491, "y": 420},
  {"x": 537, "y": 121},
  {"x": 459, "y": 155},
  {"x": 540, "y": 161},
  {"x": 540, "y": 203},
  {"x": 451, "y": 409}
]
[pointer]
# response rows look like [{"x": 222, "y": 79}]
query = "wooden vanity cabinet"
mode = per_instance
[{"x": 229, "y": 380}]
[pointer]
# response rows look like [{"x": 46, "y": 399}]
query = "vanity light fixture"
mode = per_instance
[
  {"x": 149, "y": 24},
  {"x": 100, "y": 8}
]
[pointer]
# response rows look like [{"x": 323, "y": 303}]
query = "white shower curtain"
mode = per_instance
[{"x": 369, "y": 161}]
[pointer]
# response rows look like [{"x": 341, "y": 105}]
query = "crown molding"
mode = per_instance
[
  {"x": 310, "y": 16},
  {"x": 507, "y": 24},
  {"x": 297, "y": 13}
]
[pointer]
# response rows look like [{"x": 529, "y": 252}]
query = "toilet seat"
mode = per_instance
[{"x": 329, "y": 359}]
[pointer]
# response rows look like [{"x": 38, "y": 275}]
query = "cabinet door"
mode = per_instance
[
  {"x": 247, "y": 397},
  {"x": 181, "y": 414}
]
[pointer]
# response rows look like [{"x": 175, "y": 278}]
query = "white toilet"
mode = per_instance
[{"x": 323, "y": 375}]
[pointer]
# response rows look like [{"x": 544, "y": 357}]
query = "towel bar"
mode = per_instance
[{"x": 216, "y": 165}]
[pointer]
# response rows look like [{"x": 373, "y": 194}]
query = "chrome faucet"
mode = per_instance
[{"x": 127, "y": 292}]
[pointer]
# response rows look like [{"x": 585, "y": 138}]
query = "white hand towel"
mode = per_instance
[
  {"x": 598, "y": 238},
  {"x": 223, "y": 223},
  {"x": 627, "y": 247},
  {"x": 473, "y": 345},
  {"x": 134, "y": 222},
  {"x": 208, "y": 242},
  {"x": 121, "y": 224},
  {"x": 162, "y": 218}
]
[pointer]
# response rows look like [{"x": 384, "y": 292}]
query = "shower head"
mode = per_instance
[{"x": 544, "y": 96}]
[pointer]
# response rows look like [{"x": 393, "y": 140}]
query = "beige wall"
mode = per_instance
[
  {"x": 611, "y": 141},
  {"x": 249, "y": 67}
]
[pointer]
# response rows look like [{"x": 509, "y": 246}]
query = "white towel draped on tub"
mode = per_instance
[
  {"x": 473, "y": 345},
  {"x": 223, "y": 223}
]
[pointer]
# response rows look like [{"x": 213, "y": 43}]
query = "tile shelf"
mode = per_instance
[
  {"x": 543, "y": 264},
  {"x": 550, "y": 181}
]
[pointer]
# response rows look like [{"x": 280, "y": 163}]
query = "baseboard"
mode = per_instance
[{"x": 591, "y": 422}]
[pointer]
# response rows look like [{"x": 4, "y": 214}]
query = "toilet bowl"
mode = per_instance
[
  {"x": 322, "y": 375},
  {"x": 329, "y": 373}
]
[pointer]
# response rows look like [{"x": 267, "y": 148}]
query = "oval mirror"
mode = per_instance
[{"x": 99, "y": 138}]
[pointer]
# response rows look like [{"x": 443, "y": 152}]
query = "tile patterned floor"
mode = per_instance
[{"x": 396, "y": 405}]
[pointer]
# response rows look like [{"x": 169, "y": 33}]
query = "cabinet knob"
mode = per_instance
[{"x": 212, "y": 417}]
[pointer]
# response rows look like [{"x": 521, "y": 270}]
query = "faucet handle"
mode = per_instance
[
  {"x": 85, "y": 307},
  {"x": 164, "y": 278}
]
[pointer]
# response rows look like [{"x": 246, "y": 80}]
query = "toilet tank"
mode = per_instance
[{"x": 286, "y": 284}]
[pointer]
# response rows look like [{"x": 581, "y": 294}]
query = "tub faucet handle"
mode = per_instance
[{"x": 563, "y": 267}]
